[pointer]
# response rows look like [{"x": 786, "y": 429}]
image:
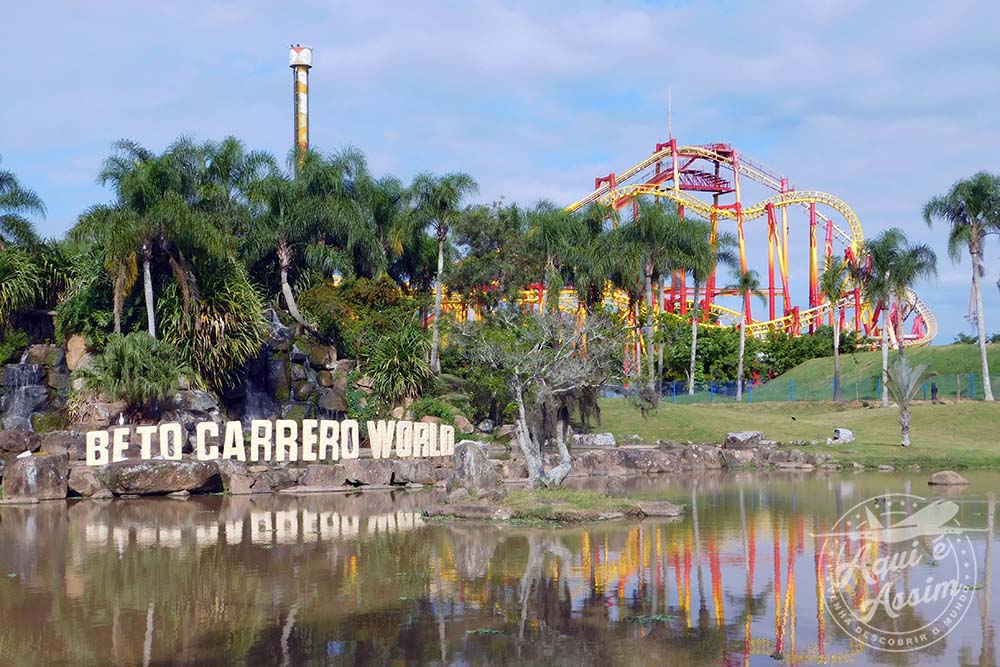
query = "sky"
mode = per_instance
[{"x": 881, "y": 104}]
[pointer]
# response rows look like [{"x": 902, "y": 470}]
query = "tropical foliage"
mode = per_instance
[{"x": 903, "y": 382}]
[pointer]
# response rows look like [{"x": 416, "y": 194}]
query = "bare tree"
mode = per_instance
[{"x": 545, "y": 361}]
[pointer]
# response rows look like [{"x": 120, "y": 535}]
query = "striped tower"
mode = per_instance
[{"x": 300, "y": 60}]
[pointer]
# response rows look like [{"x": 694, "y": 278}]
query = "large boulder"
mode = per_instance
[
  {"x": 83, "y": 481},
  {"x": 69, "y": 442},
  {"x": 195, "y": 400},
  {"x": 76, "y": 349},
  {"x": 39, "y": 477},
  {"x": 319, "y": 474},
  {"x": 947, "y": 478},
  {"x": 472, "y": 469},
  {"x": 463, "y": 425},
  {"x": 323, "y": 357},
  {"x": 743, "y": 440},
  {"x": 486, "y": 426},
  {"x": 14, "y": 442},
  {"x": 159, "y": 477},
  {"x": 49, "y": 356},
  {"x": 334, "y": 399},
  {"x": 594, "y": 440}
]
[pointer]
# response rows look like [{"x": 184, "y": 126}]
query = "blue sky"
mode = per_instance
[{"x": 882, "y": 104}]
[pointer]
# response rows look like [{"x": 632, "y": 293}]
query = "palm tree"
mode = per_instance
[
  {"x": 747, "y": 284},
  {"x": 16, "y": 201},
  {"x": 438, "y": 200},
  {"x": 314, "y": 214},
  {"x": 386, "y": 203},
  {"x": 551, "y": 231},
  {"x": 696, "y": 253},
  {"x": 834, "y": 284},
  {"x": 895, "y": 266},
  {"x": 972, "y": 209},
  {"x": 904, "y": 381}
]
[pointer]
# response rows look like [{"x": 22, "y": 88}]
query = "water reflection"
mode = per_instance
[{"x": 365, "y": 580}]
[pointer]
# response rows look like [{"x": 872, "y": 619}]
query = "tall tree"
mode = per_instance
[
  {"x": 834, "y": 283},
  {"x": 894, "y": 266},
  {"x": 438, "y": 201},
  {"x": 747, "y": 284},
  {"x": 551, "y": 231},
  {"x": 972, "y": 210},
  {"x": 16, "y": 202}
]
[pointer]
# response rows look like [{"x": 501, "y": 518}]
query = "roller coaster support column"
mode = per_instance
[
  {"x": 829, "y": 254},
  {"x": 813, "y": 274},
  {"x": 713, "y": 238},
  {"x": 771, "y": 231},
  {"x": 739, "y": 233},
  {"x": 784, "y": 233}
]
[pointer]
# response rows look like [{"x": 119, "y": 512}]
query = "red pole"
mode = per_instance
[{"x": 771, "y": 230}]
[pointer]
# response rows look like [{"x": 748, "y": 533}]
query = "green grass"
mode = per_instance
[
  {"x": 564, "y": 505},
  {"x": 955, "y": 435},
  {"x": 813, "y": 380}
]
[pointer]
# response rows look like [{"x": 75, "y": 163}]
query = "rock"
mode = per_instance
[
  {"x": 322, "y": 475},
  {"x": 76, "y": 349},
  {"x": 397, "y": 412},
  {"x": 857, "y": 466},
  {"x": 504, "y": 431},
  {"x": 457, "y": 496},
  {"x": 297, "y": 355},
  {"x": 303, "y": 390},
  {"x": 743, "y": 439},
  {"x": 471, "y": 512},
  {"x": 947, "y": 478},
  {"x": 463, "y": 424},
  {"x": 57, "y": 380},
  {"x": 324, "y": 379},
  {"x": 159, "y": 477},
  {"x": 472, "y": 469},
  {"x": 737, "y": 458},
  {"x": 593, "y": 440},
  {"x": 658, "y": 508},
  {"x": 418, "y": 471},
  {"x": 333, "y": 399},
  {"x": 49, "y": 356},
  {"x": 887, "y": 468},
  {"x": 280, "y": 337},
  {"x": 485, "y": 426},
  {"x": 195, "y": 400},
  {"x": 102, "y": 494},
  {"x": 366, "y": 384},
  {"x": 514, "y": 469},
  {"x": 179, "y": 494},
  {"x": 83, "y": 481},
  {"x": 323, "y": 357},
  {"x": 41, "y": 477},
  {"x": 430, "y": 419},
  {"x": 13, "y": 442},
  {"x": 103, "y": 414},
  {"x": 70, "y": 442}
]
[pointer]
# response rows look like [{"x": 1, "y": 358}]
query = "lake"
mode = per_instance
[{"x": 363, "y": 579}]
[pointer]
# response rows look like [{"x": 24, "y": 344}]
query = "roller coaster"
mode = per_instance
[{"x": 710, "y": 181}]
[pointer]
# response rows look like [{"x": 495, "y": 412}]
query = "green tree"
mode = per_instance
[
  {"x": 894, "y": 266},
  {"x": 550, "y": 234},
  {"x": 438, "y": 202},
  {"x": 834, "y": 283},
  {"x": 747, "y": 284},
  {"x": 17, "y": 202},
  {"x": 904, "y": 381},
  {"x": 972, "y": 210}
]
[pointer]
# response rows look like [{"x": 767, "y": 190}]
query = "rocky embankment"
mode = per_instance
[{"x": 52, "y": 466}]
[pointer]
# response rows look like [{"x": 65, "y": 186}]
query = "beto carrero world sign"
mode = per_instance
[{"x": 273, "y": 441}]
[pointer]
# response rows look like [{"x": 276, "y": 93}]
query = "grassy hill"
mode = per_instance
[
  {"x": 813, "y": 380},
  {"x": 954, "y": 435}
]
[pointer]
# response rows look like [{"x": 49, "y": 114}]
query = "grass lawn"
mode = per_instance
[
  {"x": 955, "y": 435},
  {"x": 813, "y": 380}
]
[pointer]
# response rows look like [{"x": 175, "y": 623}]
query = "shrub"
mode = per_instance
[
  {"x": 137, "y": 369},
  {"x": 397, "y": 364},
  {"x": 12, "y": 341},
  {"x": 433, "y": 407}
]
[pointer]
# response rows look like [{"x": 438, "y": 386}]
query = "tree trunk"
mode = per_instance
[
  {"x": 981, "y": 326},
  {"x": 694, "y": 341},
  {"x": 119, "y": 298},
  {"x": 885, "y": 357},
  {"x": 739, "y": 363},
  {"x": 538, "y": 478},
  {"x": 438, "y": 292},
  {"x": 904, "y": 426},
  {"x": 649, "y": 329},
  {"x": 284, "y": 262},
  {"x": 659, "y": 348},
  {"x": 836, "y": 353},
  {"x": 147, "y": 287}
]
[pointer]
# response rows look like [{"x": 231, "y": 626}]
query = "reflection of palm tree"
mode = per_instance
[{"x": 987, "y": 650}]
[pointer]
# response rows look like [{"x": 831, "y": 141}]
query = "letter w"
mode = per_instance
[{"x": 380, "y": 437}]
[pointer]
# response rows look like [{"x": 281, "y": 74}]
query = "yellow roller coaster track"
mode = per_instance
[{"x": 628, "y": 186}]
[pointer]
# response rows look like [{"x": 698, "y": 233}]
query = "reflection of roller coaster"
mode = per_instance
[{"x": 688, "y": 176}]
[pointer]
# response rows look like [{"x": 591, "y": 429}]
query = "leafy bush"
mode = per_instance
[
  {"x": 87, "y": 308},
  {"x": 353, "y": 313},
  {"x": 137, "y": 369},
  {"x": 397, "y": 364},
  {"x": 359, "y": 404},
  {"x": 433, "y": 407},
  {"x": 21, "y": 281},
  {"x": 226, "y": 327},
  {"x": 12, "y": 341}
]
